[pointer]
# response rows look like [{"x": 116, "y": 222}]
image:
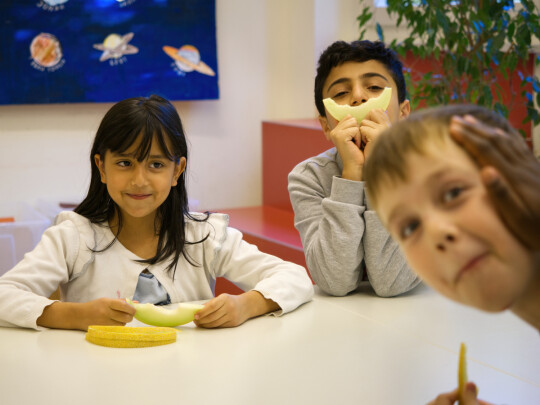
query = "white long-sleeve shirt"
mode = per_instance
[{"x": 64, "y": 258}]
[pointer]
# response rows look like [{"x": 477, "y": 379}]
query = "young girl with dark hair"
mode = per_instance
[{"x": 133, "y": 236}]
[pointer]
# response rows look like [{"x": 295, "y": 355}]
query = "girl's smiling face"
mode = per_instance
[
  {"x": 444, "y": 222},
  {"x": 139, "y": 188}
]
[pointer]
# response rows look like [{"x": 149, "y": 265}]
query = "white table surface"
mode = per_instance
[{"x": 358, "y": 349}]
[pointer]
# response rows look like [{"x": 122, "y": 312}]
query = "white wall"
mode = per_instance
[{"x": 267, "y": 52}]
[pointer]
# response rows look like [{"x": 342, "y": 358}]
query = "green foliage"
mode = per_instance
[{"x": 474, "y": 41}]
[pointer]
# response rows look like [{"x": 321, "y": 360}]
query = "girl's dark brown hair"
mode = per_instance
[{"x": 150, "y": 119}]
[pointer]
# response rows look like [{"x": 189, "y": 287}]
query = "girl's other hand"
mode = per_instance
[
  {"x": 227, "y": 311},
  {"x": 469, "y": 397},
  {"x": 224, "y": 311}
]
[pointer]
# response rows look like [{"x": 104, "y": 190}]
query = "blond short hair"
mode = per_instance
[{"x": 387, "y": 163}]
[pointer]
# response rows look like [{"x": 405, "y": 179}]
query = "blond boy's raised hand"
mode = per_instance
[{"x": 510, "y": 173}]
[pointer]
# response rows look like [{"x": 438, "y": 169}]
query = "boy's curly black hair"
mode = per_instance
[{"x": 357, "y": 51}]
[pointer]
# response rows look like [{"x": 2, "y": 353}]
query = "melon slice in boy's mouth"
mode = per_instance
[
  {"x": 159, "y": 316},
  {"x": 360, "y": 111}
]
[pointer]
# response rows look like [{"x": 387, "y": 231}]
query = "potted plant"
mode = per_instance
[{"x": 479, "y": 50}]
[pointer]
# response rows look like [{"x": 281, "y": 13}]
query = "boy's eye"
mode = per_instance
[
  {"x": 340, "y": 94},
  {"x": 375, "y": 88},
  {"x": 408, "y": 229},
  {"x": 451, "y": 194}
]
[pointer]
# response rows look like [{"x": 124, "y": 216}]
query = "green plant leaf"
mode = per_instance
[
  {"x": 379, "y": 32},
  {"x": 528, "y": 5},
  {"x": 479, "y": 45},
  {"x": 501, "y": 109},
  {"x": 363, "y": 20}
]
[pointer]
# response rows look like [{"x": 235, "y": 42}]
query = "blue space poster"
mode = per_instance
[{"x": 68, "y": 51}]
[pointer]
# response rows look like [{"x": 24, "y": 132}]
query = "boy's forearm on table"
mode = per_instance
[
  {"x": 387, "y": 267},
  {"x": 333, "y": 251}
]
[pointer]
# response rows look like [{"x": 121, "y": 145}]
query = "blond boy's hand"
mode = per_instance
[
  {"x": 469, "y": 398},
  {"x": 227, "y": 311},
  {"x": 510, "y": 173}
]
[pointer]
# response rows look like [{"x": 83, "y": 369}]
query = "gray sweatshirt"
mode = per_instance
[{"x": 341, "y": 236}]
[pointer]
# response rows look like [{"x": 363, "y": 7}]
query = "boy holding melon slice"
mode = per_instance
[{"x": 362, "y": 85}]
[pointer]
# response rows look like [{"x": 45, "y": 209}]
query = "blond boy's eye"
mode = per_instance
[
  {"x": 452, "y": 194},
  {"x": 408, "y": 229}
]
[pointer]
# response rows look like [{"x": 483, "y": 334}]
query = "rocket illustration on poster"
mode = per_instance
[{"x": 69, "y": 51}]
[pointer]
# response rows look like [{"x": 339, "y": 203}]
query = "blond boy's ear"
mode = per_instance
[
  {"x": 404, "y": 109},
  {"x": 325, "y": 127}
]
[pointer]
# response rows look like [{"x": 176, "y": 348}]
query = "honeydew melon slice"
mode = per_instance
[
  {"x": 360, "y": 111},
  {"x": 158, "y": 316},
  {"x": 462, "y": 372}
]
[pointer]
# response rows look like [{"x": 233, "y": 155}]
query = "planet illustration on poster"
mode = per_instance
[
  {"x": 188, "y": 59},
  {"x": 55, "y": 2},
  {"x": 115, "y": 46},
  {"x": 45, "y": 50}
]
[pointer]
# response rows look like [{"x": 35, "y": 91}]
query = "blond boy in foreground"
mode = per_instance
[{"x": 430, "y": 195}]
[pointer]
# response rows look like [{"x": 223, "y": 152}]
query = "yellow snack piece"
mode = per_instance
[
  {"x": 359, "y": 112},
  {"x": 462, "y": 372},
  {"x": 126, "y": 336}
]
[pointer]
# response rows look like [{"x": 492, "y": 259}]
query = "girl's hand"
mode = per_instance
[
  {"x": 227, "y": 311},
  {"x": 106, "y": 311},
  {"x": 469, "y": 397},
  {"x": 371, "y": 127},
  {"x": 510, "y": 173},
  {"x": 75, "y": 315}
]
